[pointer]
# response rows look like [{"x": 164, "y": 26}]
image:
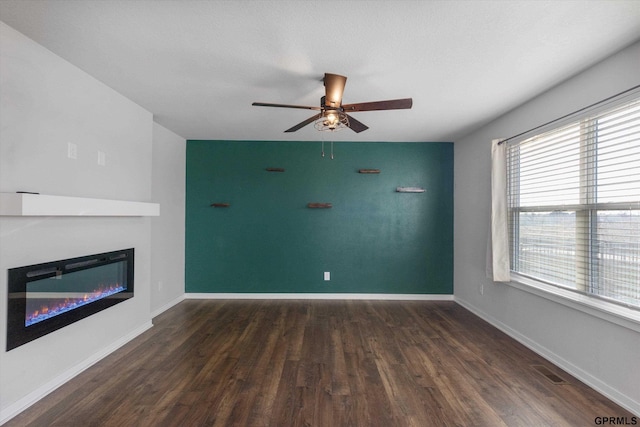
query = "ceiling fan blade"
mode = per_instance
[
  {"x": 356, "y": 126},
  {"x": 303, "y": 124},
  {"x": 266, "y": 104},
  {"x": 392, "y": 104},
  {"x": 334, "y": 87}
]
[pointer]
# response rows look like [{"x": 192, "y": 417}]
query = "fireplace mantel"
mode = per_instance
[{"x": 27, "y": 204}]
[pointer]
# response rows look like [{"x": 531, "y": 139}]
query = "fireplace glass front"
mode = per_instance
[{"x": 46, "y": 297}]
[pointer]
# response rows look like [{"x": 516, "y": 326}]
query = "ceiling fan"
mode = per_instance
[{"x": 333, "y": 114}]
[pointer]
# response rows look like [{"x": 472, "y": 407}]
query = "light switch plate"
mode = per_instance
[{"x": 72, "y": 150}]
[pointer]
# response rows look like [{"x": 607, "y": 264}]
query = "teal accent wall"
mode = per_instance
[{"x": 373, "y": 240}]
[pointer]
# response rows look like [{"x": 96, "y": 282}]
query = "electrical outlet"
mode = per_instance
[
  {"x": 72, "y": 150},
  {"x": 102, "y": 158},
  {"x": 327, "y": 276},
  {"x": 481, "y": 289}
]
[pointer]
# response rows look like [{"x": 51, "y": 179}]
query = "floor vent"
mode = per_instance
[{"x": 548, "y": 374}]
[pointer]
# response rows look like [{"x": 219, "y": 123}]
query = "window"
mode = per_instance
[{"x": 574, "y": 205}]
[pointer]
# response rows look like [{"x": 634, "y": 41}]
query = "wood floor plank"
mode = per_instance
[{"x": 320, "y": 363}]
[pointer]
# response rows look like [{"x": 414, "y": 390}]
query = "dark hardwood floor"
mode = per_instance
[{"x": 320, "y": 363}]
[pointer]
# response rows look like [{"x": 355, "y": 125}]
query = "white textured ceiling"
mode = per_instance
[{"x": 198, "y": 65}]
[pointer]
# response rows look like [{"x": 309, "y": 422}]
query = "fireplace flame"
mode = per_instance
[{"x": 55, "y": 306}]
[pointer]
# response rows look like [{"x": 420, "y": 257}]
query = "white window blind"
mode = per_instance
[{"x": 574, "y": 205}]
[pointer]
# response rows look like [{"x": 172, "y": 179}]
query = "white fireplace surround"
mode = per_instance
[{"x": 28, "y": 204}]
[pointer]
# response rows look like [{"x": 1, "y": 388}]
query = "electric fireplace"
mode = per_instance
[{"x": 46, "y": 297}]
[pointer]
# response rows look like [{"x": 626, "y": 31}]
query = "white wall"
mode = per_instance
[
  {"x": 601, "y": 353},
  {"x": 45, "y": 102},
  {"x": 167, "y": 230}
]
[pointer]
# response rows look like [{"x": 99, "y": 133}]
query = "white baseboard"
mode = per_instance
[
  {"x": 167, "y": 306},
  {"x": 22, "y": 404},
  {"x": 321, "y": 296},
  {"x": 593, "y": 382}
]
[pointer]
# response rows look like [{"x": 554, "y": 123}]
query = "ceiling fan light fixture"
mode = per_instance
[{"x": 332, "y": 120}]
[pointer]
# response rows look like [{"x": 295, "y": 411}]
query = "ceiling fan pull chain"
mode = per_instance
[
  {"x": 323, "y": 148},
  {"x": 331, "y": 150}
]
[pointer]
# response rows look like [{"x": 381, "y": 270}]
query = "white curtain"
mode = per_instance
[{"x": 498, "y": 255}]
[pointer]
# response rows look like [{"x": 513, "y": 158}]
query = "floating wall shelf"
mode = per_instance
[
  {"x": 28, "y": 204},
  {"x": 275, "y": 169},
  {"x": 320, "y": 205},
  {"x": 220, "y": 205},
  {"x": 410, "y": 190},
  {"x": 369, "y": 171}
]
